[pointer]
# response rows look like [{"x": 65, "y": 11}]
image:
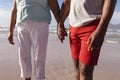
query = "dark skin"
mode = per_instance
[
  {"x": 97, "y": 37},
  {"x": 12, "y": 23},
  {"x": 76, "y": 67},
  {"x": 95, "y": 40},
  {"x": 62, "y": 33},
  {"x": 28, "y": 79},
  {"x": 53, "y": 4}
]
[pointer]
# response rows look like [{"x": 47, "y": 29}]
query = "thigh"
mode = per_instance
[
  {"x": 39, "y": 38},
  {"x": 23, "y": 40},
  {"x": 39, "y": 33},
  {"x": 88, "y": 57},
  {"x": 74, "y": 43}
]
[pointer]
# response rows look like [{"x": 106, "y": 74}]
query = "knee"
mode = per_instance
[
  {"x": 83, "y": 72},
  {"x": 86, "y": 71}
]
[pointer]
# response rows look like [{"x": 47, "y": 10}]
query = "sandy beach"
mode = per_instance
[{"x": 59, "y": 65}]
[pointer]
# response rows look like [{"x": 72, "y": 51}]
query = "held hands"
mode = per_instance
[
  {"x": 95, "y": 40},
  {"x": 61, "y": 32},
  {"x": 10, "y": 38}
]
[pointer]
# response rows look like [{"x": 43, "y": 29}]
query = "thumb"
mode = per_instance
[{"x": 89, "y": 40}]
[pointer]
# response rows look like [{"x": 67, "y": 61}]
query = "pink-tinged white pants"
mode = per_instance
[{"x": 33, "y": 36}]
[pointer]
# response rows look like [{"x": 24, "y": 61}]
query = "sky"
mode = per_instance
[{"x": 6, "y": 5}]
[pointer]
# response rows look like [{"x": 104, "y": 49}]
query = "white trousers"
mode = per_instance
[{"x": 33, "y": 36}]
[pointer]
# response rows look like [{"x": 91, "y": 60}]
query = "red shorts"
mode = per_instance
[{"x": 79, "y": 46}]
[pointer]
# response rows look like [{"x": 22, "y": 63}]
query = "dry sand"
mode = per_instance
[{"x": 59, "y": 64}]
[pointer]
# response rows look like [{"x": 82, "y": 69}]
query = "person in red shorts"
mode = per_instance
[{"x": 89, "y": 20}]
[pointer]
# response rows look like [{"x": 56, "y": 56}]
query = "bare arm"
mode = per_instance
[
  {"x": 108, "y": 9},
  {"x": 54, "y": 8},
  {"x": 64, "y": 11},
  {"x": 63, "y": 15},
  {"x": 97, "y": 38},
  {"x": 12, "y": 22}
]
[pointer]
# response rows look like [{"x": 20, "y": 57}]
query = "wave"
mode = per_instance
[{"x": 112, "y": 35}]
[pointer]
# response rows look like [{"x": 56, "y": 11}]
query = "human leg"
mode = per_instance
[
  {"x": 86, "y": 71},
  {"x": 39, "y": 37},
  {"x": 24, "y": 52},
  {"x": 79, "y": 47},
  {"x": 88, "y": 59},
  {"x": 77, "y": 70},
  {"x": 75, "y": 50}
]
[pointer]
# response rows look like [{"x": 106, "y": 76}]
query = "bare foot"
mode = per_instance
[{"x": 28, "y": 79}]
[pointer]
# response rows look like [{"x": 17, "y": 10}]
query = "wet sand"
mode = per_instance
[{"x": 59, "y": 65}]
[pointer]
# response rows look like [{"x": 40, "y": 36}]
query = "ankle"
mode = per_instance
[{"x": 27, "y": 78}]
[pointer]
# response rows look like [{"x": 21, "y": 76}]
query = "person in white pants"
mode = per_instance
[
  {"x": 33, "y": 35},
  {"x": 32, "y": 18}
]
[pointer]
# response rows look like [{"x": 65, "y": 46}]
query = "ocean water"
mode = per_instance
[{"x": 112, "y": 35}]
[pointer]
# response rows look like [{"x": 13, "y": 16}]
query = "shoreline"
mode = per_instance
[{"x": 108, "y": 39}]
